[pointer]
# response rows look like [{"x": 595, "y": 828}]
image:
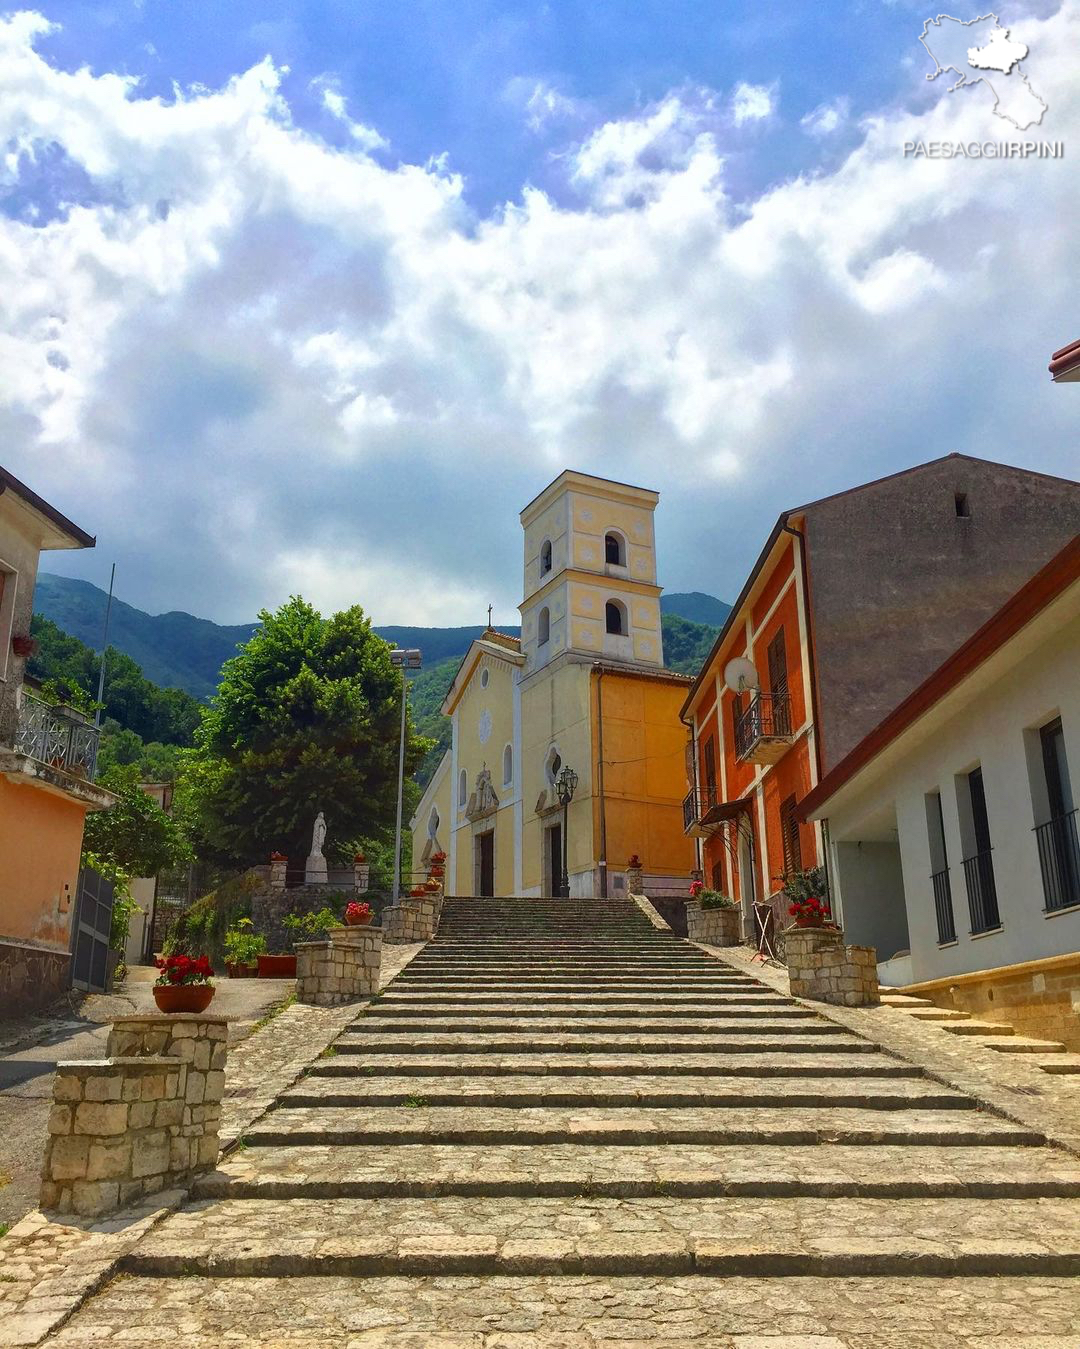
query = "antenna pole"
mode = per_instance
[{"x": 104, "y": 647}]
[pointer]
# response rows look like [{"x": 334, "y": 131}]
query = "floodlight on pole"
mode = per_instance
[{"x": 401, "y": 659}]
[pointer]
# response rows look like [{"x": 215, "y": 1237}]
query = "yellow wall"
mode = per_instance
[
  {"x": 644, "y": 774},
  {"x": 485, "y": 723},
  {"x": 40, "y": 843}
]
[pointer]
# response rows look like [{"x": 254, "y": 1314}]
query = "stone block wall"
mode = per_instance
[
  {"x": 412, "y": 920},
  {"x": 272, "y": 905},
  {"x": 343, "y": 969},
  {"x": 143, "y": 1119},
  {"x": 31, "y": 976},
  {"x": 822, "y": 968},
  {"x": 714, "y": 927}
]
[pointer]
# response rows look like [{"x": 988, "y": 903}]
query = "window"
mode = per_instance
[
  {"x": 508, "y": 765},
  {"x": 960, "y": 502},
  {"x": 554, "y": 763},
  {"x": 789, "y": 834},
  {"x": 615, "y": 618},
  {"x": 939, "y": 870},
  {"x": 736, "y": 717},
  {"x": 614, "y": 551},
  {"x": 543, "y": 626},
  {"x": 710, "y": 769},
  {"x": 545, "y": 557},
  {"x": 433, "y": 823},
  {"x": 978, "y": 861},
  {"x": 1058, "y": 839},
  {"x": 718, "y": 875},
  {"x": 462, "y": 789},
  {"x": 777, "y": 652},
  {"x": 485, "y": 675}
]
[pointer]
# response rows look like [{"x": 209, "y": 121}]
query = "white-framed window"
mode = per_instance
[
  {"x": 508, "y": 765},
  {"x": 462, "y": 789},
  {"x": 545, "y": 557},
  {"x": 543, "y": 626},
  {"x": 615, "y": 618}
]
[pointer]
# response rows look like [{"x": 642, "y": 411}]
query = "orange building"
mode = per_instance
[
  {"x": 852, "y": 602},
  {"x": 47, "y": 760}
]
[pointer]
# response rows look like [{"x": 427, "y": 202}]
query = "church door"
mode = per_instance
[
  {"x": 485, "y": 864},
  {"x": 554, "y": 859}
]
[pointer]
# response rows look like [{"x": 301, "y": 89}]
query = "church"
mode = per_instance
[{"x": 583, "y": 689}]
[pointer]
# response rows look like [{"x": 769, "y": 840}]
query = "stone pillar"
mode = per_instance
[
  {"x": 278, "y": 867},
  {"x": 714, "y": 927},
  {"x": 412, "y": 920},
  {"x": 343, "y": 969},
  {"x": 635, "y": 881},
  {"x": 144, "y": 1118},
  {"x": 822, "y": 968},
  {"x": 361, "y": 877}
]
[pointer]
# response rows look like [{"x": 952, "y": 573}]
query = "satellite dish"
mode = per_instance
[{"x": 740, "y": 674}]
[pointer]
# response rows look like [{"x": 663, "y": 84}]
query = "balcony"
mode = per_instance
[
  {"x": 1059, "y": 861},
  {"x": 56, "y": 737},
  {"x": 704, "y": 811},
  {"x": 763, "y": 729},
  {"x": 981, "y": 892}
]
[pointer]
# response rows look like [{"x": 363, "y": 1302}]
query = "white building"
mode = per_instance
[{"x": 952, "y": 827}]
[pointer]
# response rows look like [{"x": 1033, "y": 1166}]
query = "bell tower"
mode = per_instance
[{"x": 590, "y": 573}]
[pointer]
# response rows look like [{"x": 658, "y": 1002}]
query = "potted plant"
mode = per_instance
[
  {"x": 301, "y": 927},
  {"x": 811, "y": 912},
  {"x": 712, "y": 917},
  {"x": 183, "y": 984},
  {"x": 358, "y": 914},
  {"x": 243, "y": 947}
]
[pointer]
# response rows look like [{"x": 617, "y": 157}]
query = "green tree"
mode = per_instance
[
  {"x": 306, "y": 718},
  {"x": 134, "y": 836}
]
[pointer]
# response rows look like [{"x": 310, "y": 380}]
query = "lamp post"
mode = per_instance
[
  {"x": 565, "y": 786},
  {"x": 401, "y": 660}
]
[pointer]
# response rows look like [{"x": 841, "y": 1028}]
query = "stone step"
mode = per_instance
[
  {"x": 387, "y": 1008},
  {"x": 491, "y": 1126},
  {"x": 573, "y": 1169},
  {"x": 983, "y": 1029},
  {"x": 936, "y": 1014},
  {"x": 1023, "y": 1044},
  {"x": 903, "y": 1000},
  {"x": 807, "y": 1237},
  {"x": 728, "y": 1042},
  {"x": 820, "y": 1062},
  {"x": 594, "y": 983},
  {"x": 567, "y": 1311},
  {"x": 1060, "y": 1064},
  {"x": 750, "y": 1019},
  {"x": 400, "y": 995},
  {"x": 669, "y": 1092}
]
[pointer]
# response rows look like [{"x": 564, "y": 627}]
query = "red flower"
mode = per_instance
[
  {"x": 356, "y": 910},
  {"x": 696, "y": 888},
  {"x": 184, "y": 969}
]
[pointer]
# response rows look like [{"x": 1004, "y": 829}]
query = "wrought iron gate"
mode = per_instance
[{"x": 90, "y": 932}]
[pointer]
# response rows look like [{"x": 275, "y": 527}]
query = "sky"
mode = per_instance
[{"x": 314, "y": 297}]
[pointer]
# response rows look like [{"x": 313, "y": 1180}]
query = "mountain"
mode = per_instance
[
  {"x": 177, "y": 650},
  {"x": 697, "y": 607}
]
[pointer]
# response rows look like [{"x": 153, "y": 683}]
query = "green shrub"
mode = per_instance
[
  {"x": 201, "y": 928},
  {"x": 243, "y": 946},
  {"x": 311, "y": 926},
  {"x": 713, "y": 899}
]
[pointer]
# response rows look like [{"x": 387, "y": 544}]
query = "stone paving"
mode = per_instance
[{"x": 561, "y": 1126}]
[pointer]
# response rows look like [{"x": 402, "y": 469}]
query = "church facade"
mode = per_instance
[{"x": 584, "y": 687}]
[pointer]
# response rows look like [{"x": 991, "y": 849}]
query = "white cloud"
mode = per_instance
[
  {"x": 333, "y": 100},
  {"x": 542, "y": 104},
  {"x": 253, "y": 362},
  {"x": 753, "y": 102},
  {"x": 827, "y": 118}
]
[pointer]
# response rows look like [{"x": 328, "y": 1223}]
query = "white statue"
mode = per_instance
[{"x": 315, "y": 872}]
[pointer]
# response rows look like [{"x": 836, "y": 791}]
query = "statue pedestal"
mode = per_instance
[{"x": 315, "y": 869}]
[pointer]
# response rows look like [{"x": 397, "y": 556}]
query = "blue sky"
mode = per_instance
[{"x": 316, "y": 296}]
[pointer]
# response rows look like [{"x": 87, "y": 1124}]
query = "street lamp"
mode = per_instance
[
  {"x": 565, "y": 786},
  {"x": 401, "y": 660}
]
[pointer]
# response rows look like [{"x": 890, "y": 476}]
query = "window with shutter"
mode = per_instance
[
  {"x": 710, "y": 766},
  {"x": 789, "y": 832},
  {"x": 778, "y": 685}
]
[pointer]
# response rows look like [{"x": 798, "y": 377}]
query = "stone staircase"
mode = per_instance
[
  {"x": 562, "y": 1127},
  {"x": 1049, "y": 1055}
]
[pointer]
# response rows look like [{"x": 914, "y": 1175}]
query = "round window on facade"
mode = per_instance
[{"x": 485, "y": 675}]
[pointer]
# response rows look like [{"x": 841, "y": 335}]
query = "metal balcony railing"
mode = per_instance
[
  {"x": 946, "y": 923},
  {"x": 767, "y": 718},
  {"x": 56, "y": 737},
  {"x": 697, "y": 803},
  {"x": 1059, "y": 860},
  {"x": 981, "y": 891}
]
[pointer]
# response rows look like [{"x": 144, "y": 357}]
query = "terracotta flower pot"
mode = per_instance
[
  {"x": 359, "y": 920},
  {"x": 183, "y": 997},
  {"x": 236, "y": 971},
  {"x": 277, "y": 967}
]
